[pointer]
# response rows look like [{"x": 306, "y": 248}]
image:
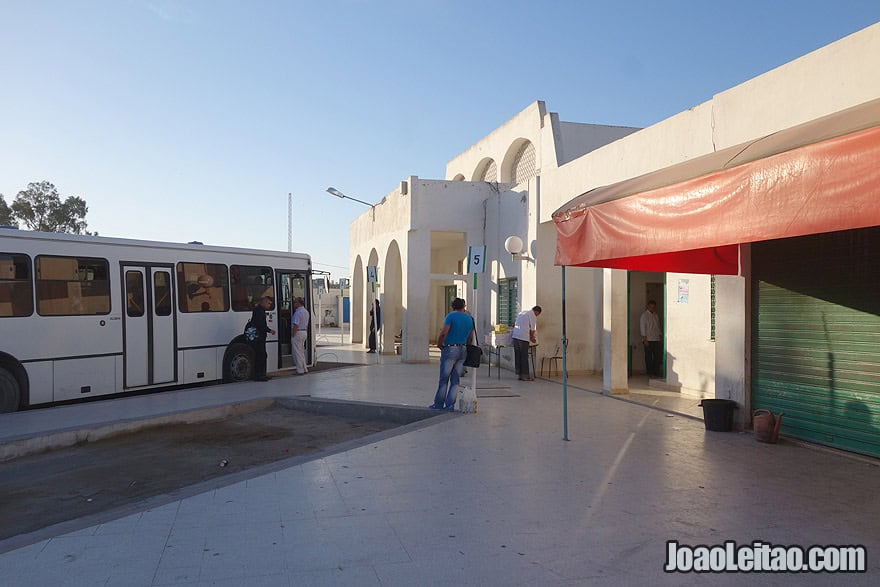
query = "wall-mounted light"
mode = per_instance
[{"x": 514, "y": 245}]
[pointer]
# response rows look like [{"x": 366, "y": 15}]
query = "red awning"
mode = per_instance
[{"x": 696, "y": 226}]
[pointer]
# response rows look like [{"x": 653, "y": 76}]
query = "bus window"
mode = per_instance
[
  {"x": 202, "y": 287},
  {"x": 134, "y": 293},
  {"x": 72, "y": 286},
  {"x": 162, "y": 292},
  {"x": 249, "y": 285},
  {"x": 16, "y": 289}
]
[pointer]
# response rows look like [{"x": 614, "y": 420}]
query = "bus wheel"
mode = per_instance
[
  {"x": 10, "y": 394},
  {"x": 238, "y": 364}
]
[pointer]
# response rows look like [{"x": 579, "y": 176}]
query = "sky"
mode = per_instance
[{"x": 193, "y": 120}]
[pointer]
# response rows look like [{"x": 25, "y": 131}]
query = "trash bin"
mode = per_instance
[{"x": 718, "y": 414}]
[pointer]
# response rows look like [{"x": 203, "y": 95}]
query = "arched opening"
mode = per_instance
[
  {"x": 486, "y": 170},
  {"x": 392, "y": 309},
  {"x": 520, "y": 162},
  {"x": 371, "y": 293}
]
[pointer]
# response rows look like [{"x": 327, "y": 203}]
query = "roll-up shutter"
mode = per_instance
[{"x": 816, "y": 336}]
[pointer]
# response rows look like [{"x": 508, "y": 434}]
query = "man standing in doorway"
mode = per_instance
[
  {"x": 299, "y": 327},
  {"x": 649, "y": 328},
  {"x": 523, "y": 336}
]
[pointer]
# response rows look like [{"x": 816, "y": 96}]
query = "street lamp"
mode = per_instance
[
  {"x": 338, "y": 194},
  {"x": 514, "y": 245}
]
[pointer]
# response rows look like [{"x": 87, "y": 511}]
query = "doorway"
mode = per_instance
[
  {"x": 642, "y": 288},
  {"x": 149, "y": 325},
  {"x": 291, "y": 285}
]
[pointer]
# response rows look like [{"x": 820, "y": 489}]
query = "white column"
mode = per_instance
[{"x": 614, "y": 329}]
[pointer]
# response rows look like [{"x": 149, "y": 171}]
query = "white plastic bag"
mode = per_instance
[{"x": 467, "y": 400}]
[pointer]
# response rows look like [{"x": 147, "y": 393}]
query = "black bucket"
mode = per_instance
[{"x": 718, "y": 414}]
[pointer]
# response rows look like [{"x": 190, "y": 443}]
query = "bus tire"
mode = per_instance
[
  {"x": 10, "y": 392},
  {"x": 238, "y": 363}
]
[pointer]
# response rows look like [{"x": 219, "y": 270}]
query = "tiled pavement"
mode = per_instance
[{"x": 493, "y": 498}]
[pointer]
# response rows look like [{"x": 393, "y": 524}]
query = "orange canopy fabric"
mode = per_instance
[{"x": 697, "y": 225}]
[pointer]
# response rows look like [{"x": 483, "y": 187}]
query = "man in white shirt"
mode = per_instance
[
  {"x": 649, "y": 328},
  {"x": 523, "y": 335},
  {"x": 299, "y": 327}
]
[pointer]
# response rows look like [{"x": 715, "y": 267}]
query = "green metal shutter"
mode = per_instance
[{"x": 816, "y": 337}]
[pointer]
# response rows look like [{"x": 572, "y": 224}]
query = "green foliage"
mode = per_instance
[
  {"x": 39, "y": 207},
  {"x": 6, "y": 217}
]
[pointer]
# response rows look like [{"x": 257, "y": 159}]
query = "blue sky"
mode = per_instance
[{"x": 192, "y": 120}]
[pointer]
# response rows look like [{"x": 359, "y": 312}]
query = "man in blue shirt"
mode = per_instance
[{"x": 458, "y": 327}]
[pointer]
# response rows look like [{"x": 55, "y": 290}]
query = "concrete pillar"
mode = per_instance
[
  {"x": 731, "y": 344},
  {"x": 614, "y": 332},
  {"x": 416, "y": 298}
]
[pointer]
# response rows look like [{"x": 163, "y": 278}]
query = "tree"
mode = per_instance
[
  {"x": 6, "y": 217},
  {"x": 40, "y": 207}
]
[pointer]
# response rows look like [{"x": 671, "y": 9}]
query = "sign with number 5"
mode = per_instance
[{"x": 477, "y": 259}]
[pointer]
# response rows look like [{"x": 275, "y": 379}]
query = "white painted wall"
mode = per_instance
[
  {"x": 526, "y": 124},
  {"x": 690, "y": 352},
  {"x": 577, "y": 139}
]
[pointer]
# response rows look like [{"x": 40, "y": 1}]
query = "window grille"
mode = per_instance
[{"x": 507, "y": 301}]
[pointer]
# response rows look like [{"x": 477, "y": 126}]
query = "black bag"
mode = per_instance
[{"x": 474, "y": 355}]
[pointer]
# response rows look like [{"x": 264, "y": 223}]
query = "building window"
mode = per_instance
[
  {"x": 507, "y": 301},
  {"x": 712, "y": 310}
]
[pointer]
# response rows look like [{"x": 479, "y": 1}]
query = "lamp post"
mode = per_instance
[
  {"x": 334, "y": 192},
  {"x": 338, "y": 194}
]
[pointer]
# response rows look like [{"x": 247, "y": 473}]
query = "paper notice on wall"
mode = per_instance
[{"x": 683, "y": 290}]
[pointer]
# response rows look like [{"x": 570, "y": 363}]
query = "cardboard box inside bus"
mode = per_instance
[
  {"x": 58, "y": 268},
  {"x": 7, "y": 269}
]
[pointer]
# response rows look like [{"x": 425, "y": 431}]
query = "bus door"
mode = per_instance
[
  {"x": 150, "y": 356},
  {"x": 290, "y": 285}
]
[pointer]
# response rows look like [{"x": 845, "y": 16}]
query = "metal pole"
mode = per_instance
[
  {"x": 564, "y": 366},
  {"x": 320, "y": 311},
  {"x": 476, "y": 341},
  {"x": 289, "y": 222}
]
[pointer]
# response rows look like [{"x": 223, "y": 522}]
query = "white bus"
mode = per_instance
[{"x": 86, "y": 316}]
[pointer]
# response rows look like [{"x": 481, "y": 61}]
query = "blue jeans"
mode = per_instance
[{"x": 451, "y": 366}]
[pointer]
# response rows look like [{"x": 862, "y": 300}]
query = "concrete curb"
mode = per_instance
[{"x": 28, "y": 445}]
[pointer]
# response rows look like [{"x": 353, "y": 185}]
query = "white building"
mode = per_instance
[{"x": 774, "y": 175}]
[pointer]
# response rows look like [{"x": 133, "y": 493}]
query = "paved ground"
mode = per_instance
[{"x": 493, "y": 498}]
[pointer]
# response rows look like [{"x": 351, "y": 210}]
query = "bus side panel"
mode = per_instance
[
  {"x": 81, "y": 378},
  {"x": 40, "y": 382},
  {"x": 200, "y": 365},
  {"x": 272, "y": 356}
]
